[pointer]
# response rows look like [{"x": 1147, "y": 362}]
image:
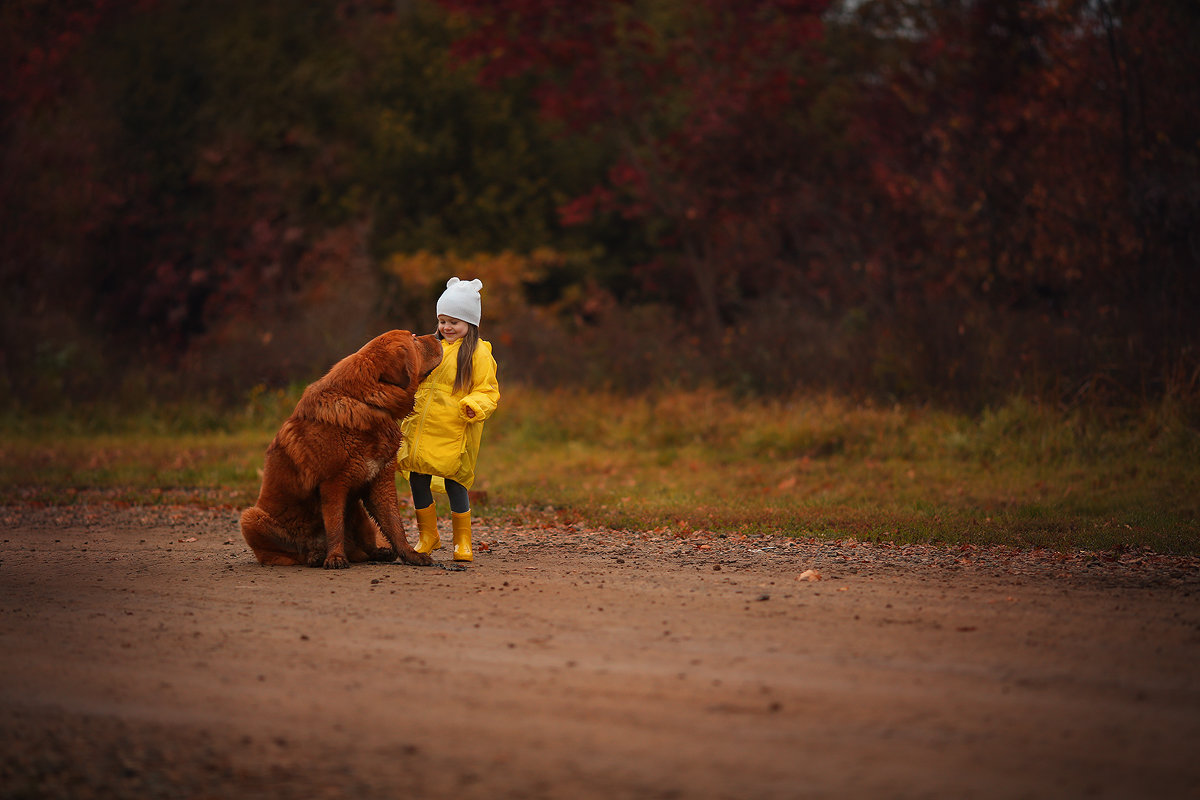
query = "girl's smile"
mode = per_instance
[{"x": 450, "y": 328}]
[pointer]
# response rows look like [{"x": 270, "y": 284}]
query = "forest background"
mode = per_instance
[{"x": 909, "y": 200}]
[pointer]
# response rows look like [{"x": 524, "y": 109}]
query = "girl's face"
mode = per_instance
[{"x": 451, "y": 329}]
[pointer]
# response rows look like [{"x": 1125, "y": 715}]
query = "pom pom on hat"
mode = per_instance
[{"x": 461, "y": 300}]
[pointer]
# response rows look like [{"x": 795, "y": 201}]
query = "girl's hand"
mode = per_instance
[{"x": 470, "y": 412}]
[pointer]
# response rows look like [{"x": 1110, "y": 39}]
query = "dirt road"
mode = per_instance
[{"x": 145, "y": 654}]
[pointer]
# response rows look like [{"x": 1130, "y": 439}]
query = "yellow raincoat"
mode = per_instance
[{"x": 439, "y": 438}]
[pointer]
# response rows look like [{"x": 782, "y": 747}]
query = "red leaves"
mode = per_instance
[
  {"x": 681, "y": 96},
  {"x": 38, "y": 38},
  {"x": 585, "y": 208}
]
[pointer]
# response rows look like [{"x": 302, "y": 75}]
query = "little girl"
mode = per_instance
[{"x": 442, "y": 434}]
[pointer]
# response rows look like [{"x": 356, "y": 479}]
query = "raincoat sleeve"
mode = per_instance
[{"x": 485, "y": 395}]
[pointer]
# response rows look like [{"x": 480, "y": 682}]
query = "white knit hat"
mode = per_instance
[{"x": 461, "y": 300}]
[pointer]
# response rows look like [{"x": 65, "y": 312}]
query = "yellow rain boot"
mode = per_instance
[
  {"x": 461, "y": 525},
  {"x": 428, "y": 539}
]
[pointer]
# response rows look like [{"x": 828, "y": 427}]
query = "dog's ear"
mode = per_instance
[{"x": 396, "y": 366}]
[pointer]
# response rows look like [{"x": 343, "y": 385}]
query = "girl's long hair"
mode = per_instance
[{"x": 464, "y": 378}]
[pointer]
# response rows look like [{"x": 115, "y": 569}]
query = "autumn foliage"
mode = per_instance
[{"x": 952, "y": 202}]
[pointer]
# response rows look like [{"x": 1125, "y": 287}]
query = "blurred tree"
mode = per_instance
[
  {"x": 1015, "y": 146},
  {"x": 450, "y": 173},
  {"x": 52, "y": 196},
  {"x": 225, "y": 177},
  {"x": 945, "y": 199},
  {"x": 699, "y": 104}
]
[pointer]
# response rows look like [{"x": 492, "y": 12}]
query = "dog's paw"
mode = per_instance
[
  {"x": 416, "y": 559},
  {"x": 384, "y": 554},
  {"x": 336, "y": 561}
]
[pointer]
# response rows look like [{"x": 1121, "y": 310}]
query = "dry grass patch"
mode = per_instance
[{"x": 1022, "y": 474}]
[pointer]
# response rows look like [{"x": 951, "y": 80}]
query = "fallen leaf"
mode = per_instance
[
  {"x": 809, "y": 575},
  {"x": 189, "y": 539}
]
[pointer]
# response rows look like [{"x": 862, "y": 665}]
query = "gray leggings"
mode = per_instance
[{"x": 460, "y": 502}]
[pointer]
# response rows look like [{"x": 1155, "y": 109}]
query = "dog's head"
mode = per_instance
[
  {"x": 401, "y": 358},
  {"x": 398, "y": 361},
  {"x": 384, "y": 373}
]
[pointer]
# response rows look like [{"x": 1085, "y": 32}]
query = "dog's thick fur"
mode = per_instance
[{"x": 329, "y": 480}]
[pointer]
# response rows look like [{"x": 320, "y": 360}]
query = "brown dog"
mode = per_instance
[{"x": 329, "y": 481}]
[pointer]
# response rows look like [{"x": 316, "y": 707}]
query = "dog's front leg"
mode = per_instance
[
  {"x": 333, "y": 511},
  {"x": 385, "y": 508}
]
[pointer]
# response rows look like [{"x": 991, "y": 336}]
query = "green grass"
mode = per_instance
[{"x": 1023, "y": 474}]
